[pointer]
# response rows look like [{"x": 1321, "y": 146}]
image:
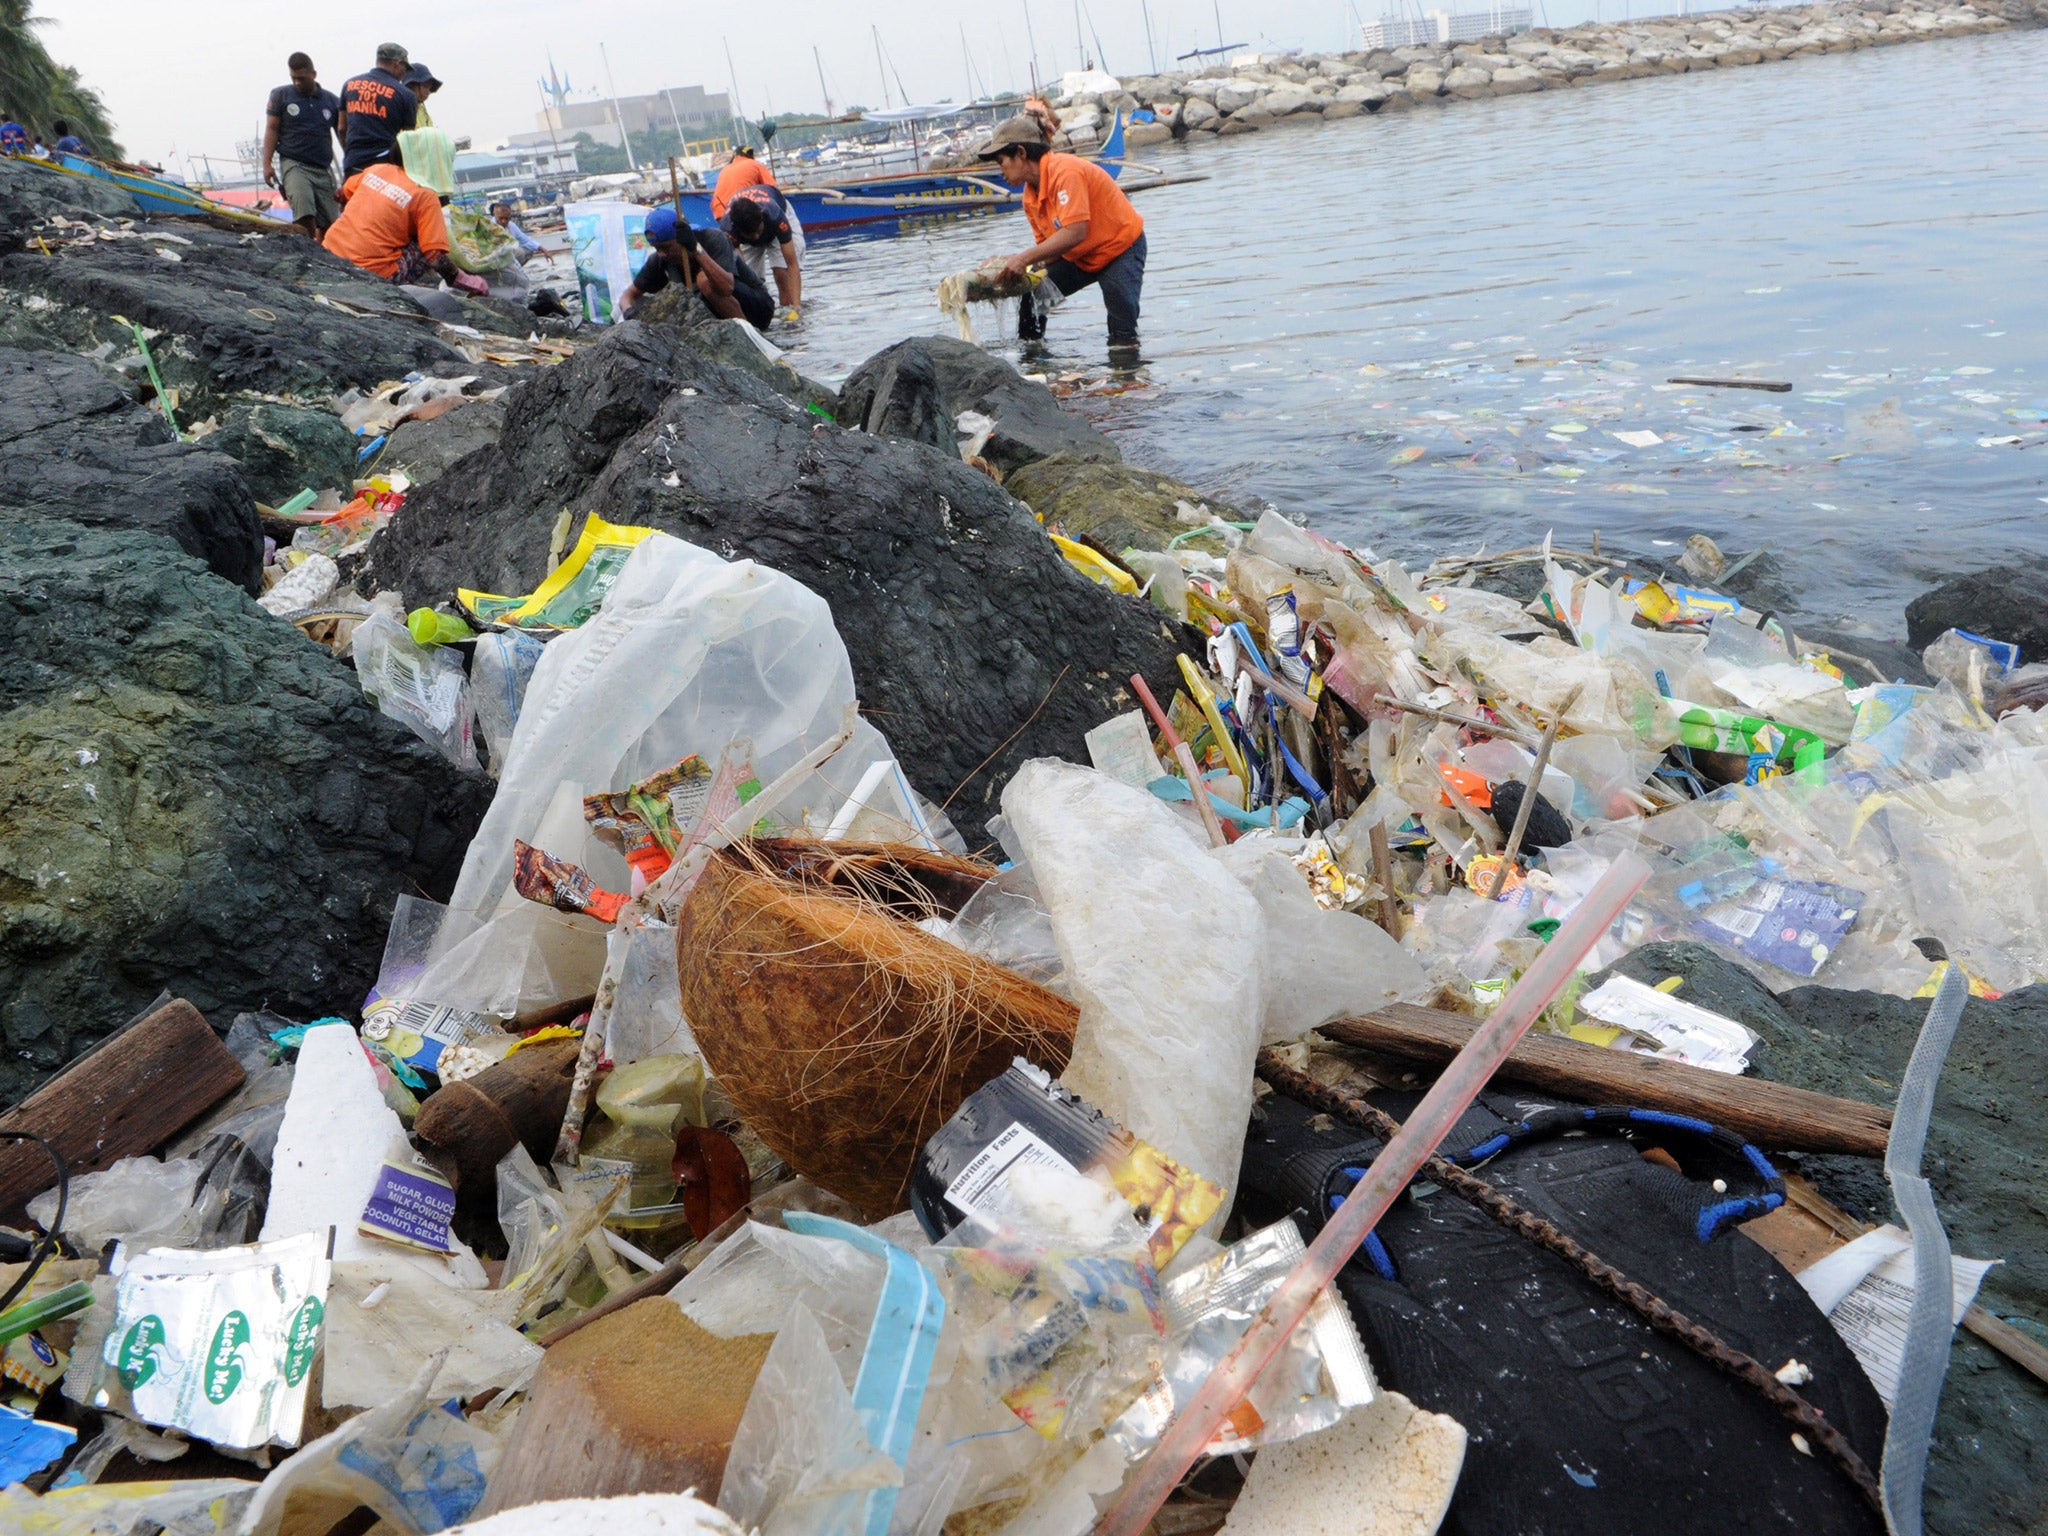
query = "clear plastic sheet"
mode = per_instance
[
  {"x": 427, "y": 690},
  {"x": 1165, "y": 954}
]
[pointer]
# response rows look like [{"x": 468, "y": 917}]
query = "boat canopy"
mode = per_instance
[{"x": 931, "y": 112}]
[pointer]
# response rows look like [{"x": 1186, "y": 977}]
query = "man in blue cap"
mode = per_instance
[{"x": 703, "y": 258}]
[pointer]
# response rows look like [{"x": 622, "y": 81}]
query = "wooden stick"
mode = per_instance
[
  {"x": 1774, "y": 386},
  {"x": 1772, "y": 1115},
  {"x": 1383, "y": 871},
  {"x": 127, "y": 1096},
  {"x": 1531, "y": 791},
  {"x": 1470, "y": 722},
  {"x": 1197, "y": 785}
]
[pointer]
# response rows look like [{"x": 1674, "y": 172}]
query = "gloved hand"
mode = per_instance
[
  {"x": 686, "y": 237},
  {"x": 469, "y": 282}
]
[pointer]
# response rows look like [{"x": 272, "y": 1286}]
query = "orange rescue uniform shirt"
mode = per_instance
[
  {"x": 1071, "y": 189},
  {"x": 386, "y": 211},
  {"x": 744, "y": 171}
]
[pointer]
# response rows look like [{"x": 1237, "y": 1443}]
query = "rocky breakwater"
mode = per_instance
[
  {"x": 1263, "y": 91},
  {"x": 193, "y": 796}
]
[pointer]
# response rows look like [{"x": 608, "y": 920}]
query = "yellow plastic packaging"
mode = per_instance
[
  {"x": 573, "y": 591},
  {"x": 1094, "y": 567},
  {"x": 645, "y": 1102}
]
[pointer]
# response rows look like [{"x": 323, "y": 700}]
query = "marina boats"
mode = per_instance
[
  {"x": 890, "y": 204},
  {"x": 158, "y": 196}
]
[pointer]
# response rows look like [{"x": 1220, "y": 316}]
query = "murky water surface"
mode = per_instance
[{"x": 1430, "y": 330}]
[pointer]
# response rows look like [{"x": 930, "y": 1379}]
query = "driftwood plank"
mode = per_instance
[
  {"x": 1772, "y": 1115},
  {"x": 128, "y": 1095}
]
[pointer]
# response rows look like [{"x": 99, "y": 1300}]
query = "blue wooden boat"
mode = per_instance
[
  {"x": 158, "y": 197},
  {"x": 873, "y": 206}
]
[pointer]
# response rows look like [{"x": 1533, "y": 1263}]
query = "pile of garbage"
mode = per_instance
[
  {"x": 738, "y": 1150},
  {"x": 896, "y": 1016}
]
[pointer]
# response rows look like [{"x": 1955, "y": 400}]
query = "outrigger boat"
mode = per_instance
[
  {"x": 160, "y": 197},
  {"x": 888, "y": 205}
]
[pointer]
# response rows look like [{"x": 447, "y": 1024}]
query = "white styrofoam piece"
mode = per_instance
[{"x": 332, "y": 1142}]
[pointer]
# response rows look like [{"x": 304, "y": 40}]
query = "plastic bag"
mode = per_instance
[
  {"x": 499, "y": 669},
  {"x": 1006, "y": 923},
  {"x": 801, "y": 1462},
  {"x": 420, "y": 1467},
  {"x": 477, "y": 244},
  {"x": 138, "y": 1198},
  {"x": 384, "y": 1319},
  {"x": 427, "y": 690},
  {"x": 643, "y": 1014},
  {"x": 1319, "y": 965},
  {"x": 1164, "y": 952},
  {"x": 1320, "y": 1373},
  {"x": 573, "y": 590},
  {"x": 687, "y": 653}
]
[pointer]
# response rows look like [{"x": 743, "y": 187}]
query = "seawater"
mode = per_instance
[{"x": 1426, "y": 332}]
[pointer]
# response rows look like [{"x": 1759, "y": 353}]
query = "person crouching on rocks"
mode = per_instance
[
  {"x": 703, "y": 258},
  {"x": 391, "y": 222},
  {"x": 1087, "y": 231}
]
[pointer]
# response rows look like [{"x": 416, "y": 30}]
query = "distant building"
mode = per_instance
[
  {"x": 1392, "y": 31},
  {"x": 696, "y": 111},
  {"x": 512, "y": 166}
]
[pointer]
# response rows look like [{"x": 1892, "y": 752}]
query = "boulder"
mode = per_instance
[
  {"x": 1030, "y": 423},
  {"x": 1466, "y": 80},
  {"x": 2003, "y": 604},
  {"x": 1234, "y": 97},
  {"x": 1200, "y": 114},
  {"x": 1142, "y": 135},
  {"x": 1284, "y": 102},
  {"x": 1516, "y": 80},
  {"x": 1368, "y": 94},
  {"x": 1118, "y": 505},
  {"x": 426, "y": 450},
  {"x": 967, "y": 632},
  {"x": 1423, "y": 80},
  {"x": 284, "y": 448},
  {"x": 193, "y": 798},
  {"x": 230, "y": 316},
  {"x": 1340, "y": 109},
  {"x": 75, "y": 443},
  {"x": 1246, "y": 119},
  {"x": 899, "y": 397}
]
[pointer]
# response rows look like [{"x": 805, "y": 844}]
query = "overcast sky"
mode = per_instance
[{"x": 180, "y": 79}]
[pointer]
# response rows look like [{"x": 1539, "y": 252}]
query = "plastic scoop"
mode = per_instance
[{"x": 1389, "y": 1174}]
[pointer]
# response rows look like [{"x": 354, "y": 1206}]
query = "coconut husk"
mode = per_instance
[{"x": 842, "y": 1032}]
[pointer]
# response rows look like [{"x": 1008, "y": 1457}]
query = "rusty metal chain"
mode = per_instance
[{"x": 1639, "y": 1298}]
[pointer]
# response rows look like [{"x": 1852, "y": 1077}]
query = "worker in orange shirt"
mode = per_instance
[
  {"x": 1087, "y": 231},
  {"x": 391, "y": 224},
  {"x": 741, "y": 171}
]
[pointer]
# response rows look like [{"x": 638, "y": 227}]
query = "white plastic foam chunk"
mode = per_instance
[
  {"x": 1164, "y": 953},
  {"x": 329, "y": 1148},
  {"x": 1388, "y": 1469}
]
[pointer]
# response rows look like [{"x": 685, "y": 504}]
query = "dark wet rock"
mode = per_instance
[
  {"x": 1118, "y": 505},
  {"x": 75, "y": 443},
  {"x": 1030, "y": 423},
  {"x": 30, "y": 193},
  {"x": 736, "y": 344},
  {"x": 426, "y": 450},
  {"x": 965, "y": 627},
  {"x": 1985, "y": 1148},
  {"x": 285, "y": 448},
  {"x": 233, "y": 314},
  {"x": 2004, "y": 604},
  {"x": 903, "y": 399},
  {"x": 193, "y": 797}
]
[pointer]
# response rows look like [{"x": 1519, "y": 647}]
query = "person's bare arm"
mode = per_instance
[
  {"x": 1054, "y": 246},
  {"x": 269, "y": 151}
]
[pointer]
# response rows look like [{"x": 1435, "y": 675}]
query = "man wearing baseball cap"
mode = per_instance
[
  {"x": 705, "y": 259},
  {"x": 1087, "y": 230}
]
